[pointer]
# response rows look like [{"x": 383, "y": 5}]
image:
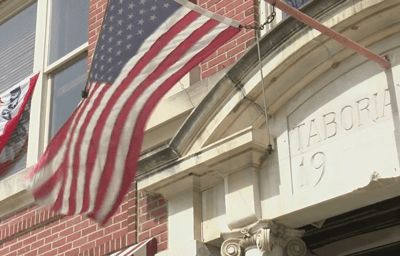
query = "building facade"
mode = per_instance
[{"x": 207, "y": 183}]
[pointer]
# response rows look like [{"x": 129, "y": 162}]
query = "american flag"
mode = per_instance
[{"x": 144, "y": 48}]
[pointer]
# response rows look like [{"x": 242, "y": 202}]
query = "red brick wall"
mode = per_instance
[
  {"x": 244, "y": 11},
  {"x": 38, "y": 231}
]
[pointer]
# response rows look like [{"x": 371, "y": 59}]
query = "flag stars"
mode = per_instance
[
  {"x": 120, "y": 63},
  {"x": 143, "y": 1},
  {"x": 119, "y": 42},
  {"x": 109, "y": 78},
  {"x": 102, "y": 67},
  {"x": 102, "y": 57},
  {"x": 130, "y": 16},
  {"x": 141, "y": 21},
  {"x": 153, "y": 17},
  {"x": 128, "y": 37},
  {"x": 130, "y": 6},
  {"x": 111, "y": 28},
  {"x": 154, "y": 7},
  {"x": 110, "y": 49},
  {"x": 118, "y": 53},
  {"x": 121, "y": 1},
  {"x": 111, "y": 18},
  {"x": 109, "y": 60},
  {"x": 120, "y": 22},
  {"x": 128, "y": 47},
  {"x": 142, "y": 11},
  {"x": 112, "y": 7},
  {"x": 119, "y": 32},
  {"x": 120, "y": 11},
  {"x": 130, "y": 26},
  {"x": 110, "y": 39},
  {"x": 166, "y": 5},
  {"x": 140, "y": 32}
]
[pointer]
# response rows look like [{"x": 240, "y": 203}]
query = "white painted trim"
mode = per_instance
[{"x": 67, "y": 58}]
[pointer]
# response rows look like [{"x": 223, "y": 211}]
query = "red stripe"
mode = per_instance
[
  {"x": 49, "y": 185},
  {"x": 141, "y": 64},
  {"x": 76, "y": 159},
  {"x": 137, "y": 137},
  {"x": 55, "y": 144},
  {"x": 170, "y": 60}
]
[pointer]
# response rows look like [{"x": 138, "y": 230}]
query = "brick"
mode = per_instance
[
  {"x": 73, "y": 237},
  {"x": 82, "y": 225},
  {"x": 80, "y": 241},
  {"x": 144, "y": 236},
  {"x": 87, "y": 246},
  {"x": 59, "y": 242},
  {"x": 119, "y": 234},
  {"x": 44, "y": 249},
  {"x": 51, "y": 238},
  {"x": 64, "y": 248},
  {"x": 16, "y": 246},
  {"x": 159, "y": 212},
  {"x": 162, "y": 246},
  {"x": 96, "y": 235},
  {"x": 66, "y": 232},
  {"x": 24, "y": 250},
  {"x": 51, "y": 253},
  {"x": 159, "y": 229},
  {"x": 89, "y": 230},
  {"x": 37, "y": 244},
  {"x": 58, "y": 228},
  {"x": 148, "y": 225},
  {"x": 72, "y": 252},
  {"x": 32, "y": 253},
  {"x": 112, "y": 228},
  {"x": 103, "y": 240}
]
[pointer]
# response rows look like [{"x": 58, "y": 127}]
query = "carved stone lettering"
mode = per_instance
[
  {"x": 363, "y": 107},
  {"x": 346, "y": 116},
  {"x": 313, "y": 132},
  {"x": 364, "y": 111},
  {"x": 330, "y": 126}
]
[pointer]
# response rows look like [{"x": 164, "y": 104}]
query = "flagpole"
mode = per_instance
[{"x": 330, "y": 33}]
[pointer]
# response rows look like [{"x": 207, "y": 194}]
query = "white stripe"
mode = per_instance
[
  {"x": 149, "y": 69},
  {"x": 123, "y": 146},
  {"x": 72, "y": 152},
  {"x": 104, "y": 103}
]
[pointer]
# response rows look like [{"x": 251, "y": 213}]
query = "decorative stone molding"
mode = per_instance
[
  {"x": 264, "y": 235},
  {"x": 231, "y": 247}
]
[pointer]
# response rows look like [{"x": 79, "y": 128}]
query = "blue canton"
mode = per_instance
[{"x": 127, "y": 25}]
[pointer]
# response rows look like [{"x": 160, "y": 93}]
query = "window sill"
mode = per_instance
[{"x": 13, "y": 193}]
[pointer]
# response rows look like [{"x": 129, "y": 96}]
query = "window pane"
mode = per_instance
[
  {"x": 17, "y": 45},
  {"x": 69, "y": 27},
  {"x": 296, "y": 3},
  {"x": 67, "y": 87}
]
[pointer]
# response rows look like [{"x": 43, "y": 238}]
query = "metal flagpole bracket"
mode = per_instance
[{"x": 329, "y": 32}]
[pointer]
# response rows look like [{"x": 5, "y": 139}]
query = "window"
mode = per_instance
[
  {"x": 17, "y": 45},
  {"x": 67, "y": 44},
  {"x": 266, "y": 10}
]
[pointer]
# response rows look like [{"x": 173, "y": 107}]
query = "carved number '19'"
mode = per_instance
[{"x": 315, "y": 170}]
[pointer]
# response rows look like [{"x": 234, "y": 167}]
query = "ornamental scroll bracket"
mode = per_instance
[{"x": 264, "y": 236}]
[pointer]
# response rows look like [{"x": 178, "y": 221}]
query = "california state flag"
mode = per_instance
[{"x": 14, "y": 120}]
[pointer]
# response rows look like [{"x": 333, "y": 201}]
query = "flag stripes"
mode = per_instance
[{"x": 94, "y": 156}]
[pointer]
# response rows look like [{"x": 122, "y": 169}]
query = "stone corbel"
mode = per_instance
[{"x": 264, "y": 235}]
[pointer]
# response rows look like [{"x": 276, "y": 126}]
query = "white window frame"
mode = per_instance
[
  {"x": 13, "y": 193},
  {"x": 42, "y": 97}
]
